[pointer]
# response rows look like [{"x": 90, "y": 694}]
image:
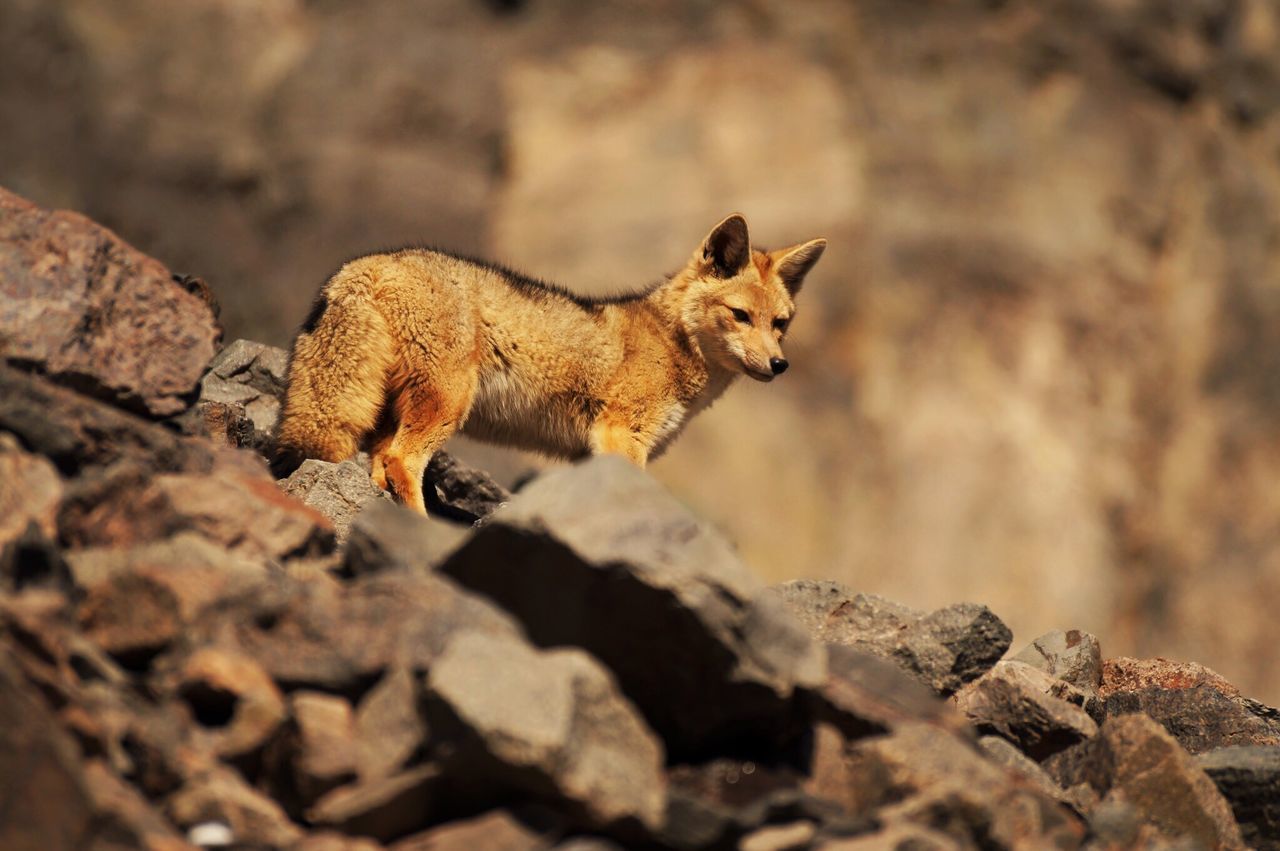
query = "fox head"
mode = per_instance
[{"x": 740, "y": 300}]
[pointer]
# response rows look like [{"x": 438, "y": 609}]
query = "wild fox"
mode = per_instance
[{"x": 401, "y": 350}]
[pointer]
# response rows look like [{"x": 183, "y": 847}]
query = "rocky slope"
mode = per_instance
[{"x": 196, "y": 654}]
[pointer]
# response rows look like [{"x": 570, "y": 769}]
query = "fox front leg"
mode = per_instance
[{"x": 617, "y": 439}]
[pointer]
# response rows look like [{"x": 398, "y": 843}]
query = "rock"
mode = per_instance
[
  {"x": 1134, "y": 760},
  {"x": 1073, "y": 656},
  {"x": 326, "y": 840},
  {"x": 599, "y": 556},
  {"x": 385, "y": 808},
  {"x": 867, "y": 695},
  {"x": 47, "y": 801},
  {"x": 549, "y": 723},
  {"x": 231, "y": 696},
  {"x": 318, "y": 635},
  {"x": 338, "y": 491},
  {"x": 1001, "y": 752},
  {"x": 494, "y": 831},
  {"x": 75, "y": 432},
  {"x": 796, "y": 836},
  {"x": 898, "y": 837},
  {"x": 220, "y": 795},
  {"x": 389, "y": 729},
  {"x": 1014, "y": 700},
  {"x": 90, "y": 311},
  {"x": 33, "y": 560},
  {"x": 125, "y": 818},
  {"x": 1201, "y": 709},
  {"x": 917, "y": 776},
  {"x": 252, "y": 376},
  {"x": 31, "y": 493},
  {"x": 225, "y": 424},
  {"x": 1248, "y": 776},
  {"x": 461, "y": 492},
  {"x": 324, "y": 747},
  {"x": 715, "y": 804},
  {"x": 945, "y": 649},
  {"x": 389, "y": 536}
]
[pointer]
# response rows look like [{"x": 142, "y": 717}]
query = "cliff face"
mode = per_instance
[{"x": 1037, "y": 367}]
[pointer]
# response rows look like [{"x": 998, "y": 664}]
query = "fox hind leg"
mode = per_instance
[{"x": 428, "y": 416}]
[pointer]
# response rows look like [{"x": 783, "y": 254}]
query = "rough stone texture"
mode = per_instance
[
  {"x": 220, "y": 795},
  {"x": 338, "y": 491},
  {"x": 1000, "y": 751},
  {"x": 321, "y": 748},
  {"x": 461, "y": 492},
  {"x": 1072, "y": 656},
  {"x": 388, "y": 536},
  {"x": 551, "y": 723},
  {"x": 232, "y": 696},
  {"x": 252, "y": 376},
  {"x": 917, "y": 776},
  {"x": 31, "y": 493},
  {"x": 493, "y": 831},
  {"x": 126, "y": 818},
  {"x": 389, "y": 728},
  {"x": 384, "y": 808},
  {"x": 1201, "y": 709},
  {"x": 342, "y": 639},
  {"x": 600, "y": 556},
  {"x": 1134, "y": 760},
  {"x": 1248, "y": 776},
  {"x": 87, "y": 309},
  {"x": 1014, "y": 700},
  {"x": 945, "y": 649}
]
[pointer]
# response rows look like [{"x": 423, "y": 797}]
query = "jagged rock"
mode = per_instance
[
  {"x": 716, "y": 803},
  {"x": 226, "y": 424},
  {"x": 1015, "y": 701},
  {"x": 1073, "y": 656},
  {"x": 599, "y": 556},
  {"x": 31, "y": 493},
  {"x": 126, "y": 818},
  {"x": 253, "y": 376},
  {"x": 1134, "y": 760},
  {"x": 324, "y": 743},
  {"x": 945, "y": 649},
  {"x": 47, "y": 804},
  {"x": 233, "y": 698},
  {"x": 1201, "y": 709},
  {"x": 1000, "y": 751},
  {"x": 461, "y": 492},
  {"x": 338, "y": 491},
  {"x": 385, "y": 808},
  {"x": 549, "y": 723},
  {"x": 318, "y": 635},
  {"x": 389, "y": 728},
  {"x": 867, "y": 695},
  {"x": 1248, "y": 776},
  {"x": 917, "y": 776},
  {"x": 220, "y": 795},
  {"x": 90, "y": 311},
  {"x": 493, "y": 831},
  {"x": 389, "y": 536}
]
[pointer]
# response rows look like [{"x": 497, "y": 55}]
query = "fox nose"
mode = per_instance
[{"x": 778, "y": 365}]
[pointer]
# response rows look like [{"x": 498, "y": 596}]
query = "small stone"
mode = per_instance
[
  {"x": 220, "y": 795},
  {"x": 781, "y": 837},
  {"x": 1012, "y": 700},
  {"x": 325, "y": 755},
  {"x": 31, "y": 493},
  {"x": 460, "y": 492},
  {"x": 233, "y": 698},
  {"x": 253, "y": 376},
  {"x": 338, "y": 491},
  {"x": 386, "y": 808},
  {"x": 211, "y": 834},
  {"x": 494, "y": 831},
  {"x": 387, "y": 536},
  {"x": 1073, "y": 656},
  {"x": 389, "y": 729},
  {"x": 1001, "y": 752}
]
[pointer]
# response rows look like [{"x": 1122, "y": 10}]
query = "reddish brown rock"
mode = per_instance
[
  {"x": 1201, "y": 709},
  {"x": 232, "y": 697},
  {"x": 1135, "y": 761},
  {"x": 221, "y": 795},
  {"x": 493, "y": 831},
  {"x": 386, "y": 808},
  {"x": 389, "y": 728},
  {"x": 89, "y": 310},
  {"x": 31, "y": 492},
  {"x": 126, "y": 819},
  {"x": 324, "y": 743}
]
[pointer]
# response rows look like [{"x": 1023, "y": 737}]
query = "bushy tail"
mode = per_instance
[{"x": 337, "y": 375}]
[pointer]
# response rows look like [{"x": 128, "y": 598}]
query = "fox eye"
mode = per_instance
[
  {"x": 781, "y": 324},
  {"x": 740, "y": 315}
]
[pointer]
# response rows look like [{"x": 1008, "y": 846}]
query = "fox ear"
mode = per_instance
[
  {"x": 728, "y": 247},
  {"x": 795, "y": 262}
]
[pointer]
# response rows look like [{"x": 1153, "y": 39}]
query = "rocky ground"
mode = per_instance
[{"x": 197, "y": 654}]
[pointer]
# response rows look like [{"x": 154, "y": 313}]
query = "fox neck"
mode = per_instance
[{"x": 680, "y": 309}]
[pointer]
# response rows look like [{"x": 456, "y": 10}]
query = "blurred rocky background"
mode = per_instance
[{"x": 1037, "y": 368}]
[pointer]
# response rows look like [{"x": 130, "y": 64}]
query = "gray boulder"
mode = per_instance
[
  {"x": 338, "y": 491},
  {"x": 1248, "y": 776}
]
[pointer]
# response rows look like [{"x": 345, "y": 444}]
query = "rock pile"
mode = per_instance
[{"x": 197, "y": 654}]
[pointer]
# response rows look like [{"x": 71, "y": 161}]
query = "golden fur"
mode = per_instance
[{"x": 404, "y": 349}]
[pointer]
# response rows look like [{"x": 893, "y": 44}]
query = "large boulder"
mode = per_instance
[
  {"x": 87, "y": 309},
  {"x": 1248, "y": 776},
  {"x": 601, "y": 557}
]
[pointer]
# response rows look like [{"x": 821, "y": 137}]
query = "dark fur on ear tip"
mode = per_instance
[{"x": 728, "y": 247}]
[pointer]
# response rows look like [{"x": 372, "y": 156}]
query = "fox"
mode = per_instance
[{"x": 404, "y": 349}]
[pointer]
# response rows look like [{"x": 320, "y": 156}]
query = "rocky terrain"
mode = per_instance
[{"x": 197, "y": 654}]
